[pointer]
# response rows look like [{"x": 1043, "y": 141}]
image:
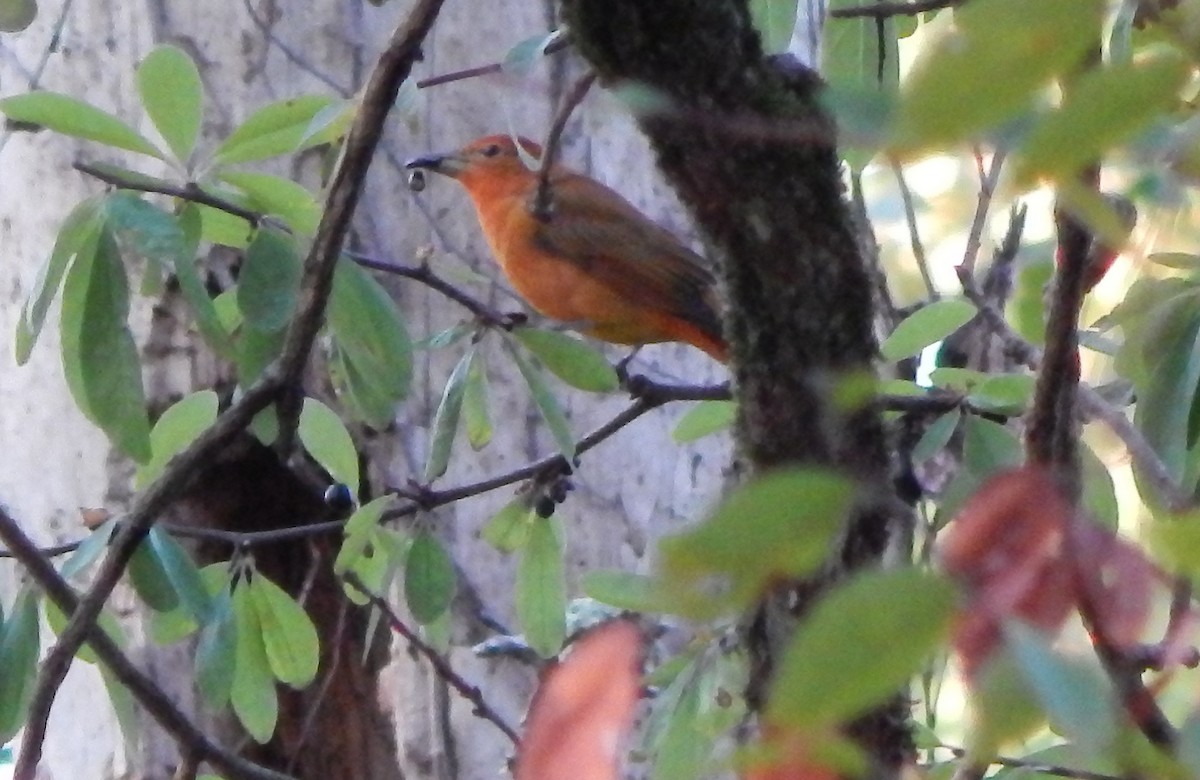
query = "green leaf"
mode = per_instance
[
  {"x": 148, "y": 575},
  {"x": 569, "y": 359},
  {"x": 546, "y": 403},
  {"x": 508, "y": 530},
  {"x": 255, "y": 349},
  {"x": 1105, "y": 107},
  {"x": 78, "y": 235},
  {"x": 876, "y": 630},
  {"x": 253, "y": 693},
  {"x": 682, "y": 747},
  {"x": 16, "y": 15},
  {"x": 19, "y": 646},
  {"x": 275, "y": 129},
  {"x": 173, "y": 96},
  {"x": 194, "y": 290},
  {"x": 325, "y": 437},
  {"x": 368, "y": 330},
  {"x": 429, "y": 578},
  {"x": 703, "y": 419},
  {"x": 928, "y": 325},
  {"x": 278, "y": 196},
  {"x": 123, "y": 707},
  {"x": 333, "y": 121},
  {"x": 936, "y": 436},
  {"x": 476, "y": 418},
  {"x": 89, "y": 550},
  {"x": 1078, "y": 698},
  {"x": 445, "y": 420},
  {"x": 71, "y": 116},
  {"x": 779, "y": 525},
  {"x": 1004, "y": 393},
  {"x": 774, "y": 20},
  {"x": 851, "y": 53},
  {"x": 359, "y": 531},
  {"x": 521, "y": 57},
  {"x": 1028, "y": 41},
  {"x": 100, "y": 359},
  {"x": 175, "y": 429},
  {"x": 1165, "y": 397},
  {"x": 216, "y": 652},
  {"x": 151, "y": 232},
  {"x": 625, "y": 590},
  {"x": 1099, "y": 492},
  {"x": 221, "y": 227},
  {"x": 288, "y": 633},
  {"x": 57, "y": 620},
  {"x": 989, "y": 447},
  {"x": 270, "y": 280},
  {"x": 182, "y": 572},
  {"x": 541, "y": 598}
]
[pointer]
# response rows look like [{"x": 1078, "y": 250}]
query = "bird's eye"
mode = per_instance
[{"x": 491, "y": 151}]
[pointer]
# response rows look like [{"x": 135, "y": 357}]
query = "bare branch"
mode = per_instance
[
  {"x": 156, "y": 702},
  {"x": 440, "y": 665},
  {"x": 190, "y": 192},
  {"x": 914, "y": 235},
  {"x": 543, "y": 200},
  {"x": 987, "y": 187}
]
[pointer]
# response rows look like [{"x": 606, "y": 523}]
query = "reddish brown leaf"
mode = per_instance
[
  {"x": 1006, "y": 548},
  {"x": 583, "y": 708},
  {"x": 1116, "y": 577}
]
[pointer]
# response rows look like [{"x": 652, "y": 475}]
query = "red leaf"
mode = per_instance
[
  {"x": 583, "y": 708},
  {"x": 1006, "y": 547},
  {"x": 1116, "y": 578}
]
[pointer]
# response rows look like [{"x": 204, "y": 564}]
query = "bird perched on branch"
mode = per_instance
[{"x": 584, "y": 255}]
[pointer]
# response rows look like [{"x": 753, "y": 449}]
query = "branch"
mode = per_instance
[
  {"x": 483, "y": 70},
  {"x": 918, "y": 248},
  {"x": 987, "y": 187},
  {"x": 885, "y": 10},
  {"x": 1091, "y": 405},
  {"x": 283, "y": 373},
  {"x": 191, "y": 740},
  {"x": 543, "y": 201},
  {"x": 189, "y": 192},
  {"x": 424, "y": 274},
  {"x": 1038, "y": 766},
  {"x": 440, "y": 665}
]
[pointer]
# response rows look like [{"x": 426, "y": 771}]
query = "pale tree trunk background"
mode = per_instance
[{"x": 630, "y": 490}]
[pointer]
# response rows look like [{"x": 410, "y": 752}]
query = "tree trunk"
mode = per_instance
[{"x": 749, "y": 150}]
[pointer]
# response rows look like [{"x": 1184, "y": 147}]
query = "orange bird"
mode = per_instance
[{"x": 595, "y": 260}]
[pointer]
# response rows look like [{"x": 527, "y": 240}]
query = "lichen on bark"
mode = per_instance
[{"x": 744, "y": 141}]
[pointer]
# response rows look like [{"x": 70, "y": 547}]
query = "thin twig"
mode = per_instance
[
  {"x": 281, "y": 376},
  {"x": 914, "y": 235},
  {"x": 1092, "y": 405},
  {"x": 543, "y": 199},
  {"x": 884, "y": 10},
  {"x": 189, "y": 192},
  {"x": 484, "y": 70},
  {"x": 987, "y": 188},
  {"x": 296, "y": 57},
  {"x": 422, "y": 273},
  {"x": 156, "y": 702},
  {"x": 1038, "y": 766},
  {"x": 440, "y": 665}
]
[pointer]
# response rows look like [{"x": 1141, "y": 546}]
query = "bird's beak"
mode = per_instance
[{"x": 446, "y": 163}]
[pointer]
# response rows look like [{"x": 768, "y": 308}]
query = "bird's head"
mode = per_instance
[{"x": 492, "y": 155}]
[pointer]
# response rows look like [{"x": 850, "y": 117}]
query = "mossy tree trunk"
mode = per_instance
[{"x": 747, "y": 147}]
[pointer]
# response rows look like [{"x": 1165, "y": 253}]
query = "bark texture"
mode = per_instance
[{"x": 743, "y": 140}]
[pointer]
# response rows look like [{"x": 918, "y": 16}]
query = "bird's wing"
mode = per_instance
[{"x": 614, "y": 243}]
